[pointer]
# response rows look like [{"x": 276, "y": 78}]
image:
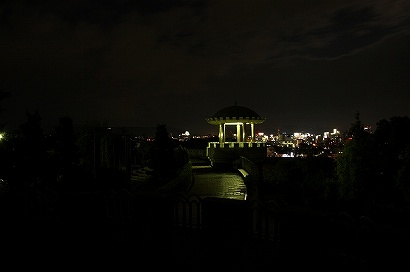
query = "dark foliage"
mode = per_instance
[
  {"x": 162, "y": 150},
  {"x": 167, "y": 157},
  {"x": 299, "y": 181},
  {"x": 373, "y": 171},
  {"x": 29, "y": 155}
]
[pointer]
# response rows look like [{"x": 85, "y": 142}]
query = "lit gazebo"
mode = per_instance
[
  {"x": 238, "y": 116},
  {"x": 244, "y": 120}
]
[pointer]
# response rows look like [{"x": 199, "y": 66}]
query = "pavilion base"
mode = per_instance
[{"x": 225, "y": 154}]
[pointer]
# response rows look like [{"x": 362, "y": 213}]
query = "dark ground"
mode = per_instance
[
  {"x": 65, "y": 235},
  {"x": 81, "y": 241}
]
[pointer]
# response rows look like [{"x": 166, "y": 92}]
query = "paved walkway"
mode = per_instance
[{"x": 209, "y": 182}]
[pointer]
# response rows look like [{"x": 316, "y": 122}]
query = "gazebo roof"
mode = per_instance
[{"x": 234, "y": 114}]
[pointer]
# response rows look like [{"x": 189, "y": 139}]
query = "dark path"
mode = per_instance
[{"x": 209, "y": 182}]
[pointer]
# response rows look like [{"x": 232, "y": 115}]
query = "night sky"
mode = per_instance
[{"x": 303, "y": 65}]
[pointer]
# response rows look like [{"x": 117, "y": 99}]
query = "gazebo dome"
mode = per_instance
[
  {"x": 236, "y": 111},
  {"x": 235, "y": 114}
]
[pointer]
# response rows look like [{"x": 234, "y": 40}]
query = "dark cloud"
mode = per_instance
[
  {"x": 352, "y": 29},
  {"x": 311, "y": 63}
]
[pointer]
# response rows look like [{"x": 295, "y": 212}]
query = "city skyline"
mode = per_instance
[{"x": 304, "y": 66}]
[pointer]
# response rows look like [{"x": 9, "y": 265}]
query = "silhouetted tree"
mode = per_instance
[
  {"x": 301, "y": 181},
  {"x": 392, "y": 165},
  {"x": 181, "y": 157},
  {"x": 353, "y": 165},
  {"x": 373, "y": 169},
  {"x": 162, "y": 152},
  {"x": 31, "y": 151}
]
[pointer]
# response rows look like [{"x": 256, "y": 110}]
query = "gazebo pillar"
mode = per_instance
[
  {"x": 221, "y": 134},
  {"x": 243, "y": 133},
  {"x": 253, "y": 131},
  {"x": 238, "y": 133}
]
